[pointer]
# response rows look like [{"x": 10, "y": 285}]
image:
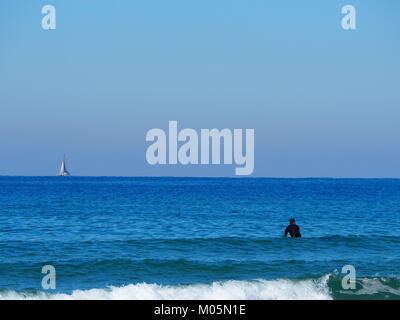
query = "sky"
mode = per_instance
[{"x": 323, "y": 101}]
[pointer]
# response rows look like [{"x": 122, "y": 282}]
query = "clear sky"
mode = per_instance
[{"x": 324, "y": 102}]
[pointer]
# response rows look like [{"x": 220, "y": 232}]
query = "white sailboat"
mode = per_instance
[{"x": 63, "y": 171}]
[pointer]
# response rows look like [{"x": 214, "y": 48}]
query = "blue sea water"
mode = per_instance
[{"x": 198, "y": 238}]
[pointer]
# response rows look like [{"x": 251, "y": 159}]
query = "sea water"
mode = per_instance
[{"x": 198, "y": 238}]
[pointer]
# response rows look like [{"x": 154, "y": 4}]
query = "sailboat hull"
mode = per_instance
[{"x": 64, "y": 174}]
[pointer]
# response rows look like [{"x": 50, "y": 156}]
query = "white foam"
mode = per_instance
[{"x": 280, "y": 289}]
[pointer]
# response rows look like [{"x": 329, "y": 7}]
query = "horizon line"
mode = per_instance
[{"x": 196, "y": 177}]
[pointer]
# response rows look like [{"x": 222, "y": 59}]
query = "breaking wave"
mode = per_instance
[{"x": 327, "y": 287}]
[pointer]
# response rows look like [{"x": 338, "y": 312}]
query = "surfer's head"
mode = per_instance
[{"x": 292, "y": 221}]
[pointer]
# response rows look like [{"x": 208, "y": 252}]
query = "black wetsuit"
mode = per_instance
[{"x": 293, "y": 230}]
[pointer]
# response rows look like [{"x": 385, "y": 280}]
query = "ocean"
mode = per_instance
[{"x": 198, "y": 238}]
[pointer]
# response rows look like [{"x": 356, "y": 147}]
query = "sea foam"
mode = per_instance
[{"x": 279, "y": 289}]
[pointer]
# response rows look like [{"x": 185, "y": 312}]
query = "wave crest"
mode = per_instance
[
  {"x": 311, "y": 289},
  {"x": 326, "y": 287}
]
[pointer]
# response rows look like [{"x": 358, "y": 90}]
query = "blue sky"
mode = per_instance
[{"x": 324, "y": 102}]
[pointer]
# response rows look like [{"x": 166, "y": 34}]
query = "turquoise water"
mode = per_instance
[{"x": 198, "y": 238}]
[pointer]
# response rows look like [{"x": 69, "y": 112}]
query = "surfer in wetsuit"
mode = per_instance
[{"x": 293, "y": 229}]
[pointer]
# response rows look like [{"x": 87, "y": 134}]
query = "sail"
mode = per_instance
[
  {"x": 62, "y": 167},
  {"x": 63, "y": 171}
]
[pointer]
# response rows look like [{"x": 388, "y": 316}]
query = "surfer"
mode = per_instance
[{"x": 293, "y": 229}]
